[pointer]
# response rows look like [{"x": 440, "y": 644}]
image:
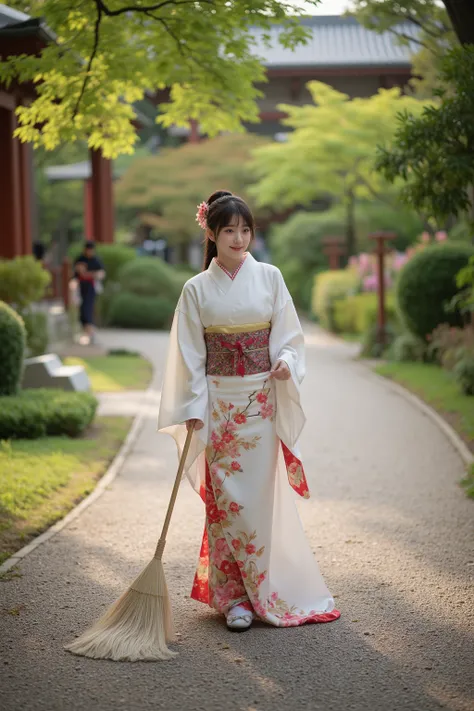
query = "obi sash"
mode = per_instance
[{"x": 238, "y": 350}]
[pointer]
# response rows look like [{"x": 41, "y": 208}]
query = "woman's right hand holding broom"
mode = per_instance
[{"x": 198, "y": 426}]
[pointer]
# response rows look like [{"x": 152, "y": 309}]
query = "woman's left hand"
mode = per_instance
[{"x": 280, "y": 371}]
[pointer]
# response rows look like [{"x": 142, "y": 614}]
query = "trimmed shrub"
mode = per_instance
[
  {"x": 356, "y": 314},
  {"x": 371, "y": 347},
  {"x": 464, "y": 373},
  {"x": 448, "y": 344},
  {"x": 37, "y": 413},
  {"x": 12, "y": 349},
  {"x": 328, "y": 288},
  {"x": 22, "y": 281},
  {"x": 151, "y": 276},
  {"x": 408, "y": 348},
  {"x": 148, "y": 312},
  {"x": 427, "y": 283},
  {"x": 36, "y": 324}
]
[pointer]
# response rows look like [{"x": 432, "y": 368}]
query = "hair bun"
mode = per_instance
[{"x": 217, "y": 195}]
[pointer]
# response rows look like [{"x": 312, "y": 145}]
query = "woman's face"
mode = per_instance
[{"x": 233, "y": 239}]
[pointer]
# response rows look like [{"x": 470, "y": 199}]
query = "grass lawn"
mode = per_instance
[
  {"x": 114, "y": 373},
  {"x": 438, "y": 388},
  {"x": 41, "y": 480}
]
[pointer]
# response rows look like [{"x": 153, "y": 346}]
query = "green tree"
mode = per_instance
[
  {"x": 423, "y": 25},
  {"x": 162, "y": 191},
  {"x": 331, "y": 151},
  {"x": 109, "y": 52},
  {"x": 433, "y": 152}
]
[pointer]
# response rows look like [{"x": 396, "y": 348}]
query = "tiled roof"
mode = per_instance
[
  {"x": 9, "y": 16},
  {"x": 338, "y": 42}
]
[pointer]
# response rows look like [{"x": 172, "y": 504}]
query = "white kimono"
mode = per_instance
[{"x": 246, "y": 457}]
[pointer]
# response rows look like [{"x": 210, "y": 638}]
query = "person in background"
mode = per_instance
[{"x": 89, "y": 271}]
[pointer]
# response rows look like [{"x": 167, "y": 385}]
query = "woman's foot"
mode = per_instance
[{"x": 239, "y": 618}]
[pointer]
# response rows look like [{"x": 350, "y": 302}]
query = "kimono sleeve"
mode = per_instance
[
  {"x": 184, "y": 392},
  {"x": 287, "y": 344}
]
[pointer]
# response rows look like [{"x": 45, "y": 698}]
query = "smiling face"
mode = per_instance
[{"x": 233, "y": 239}]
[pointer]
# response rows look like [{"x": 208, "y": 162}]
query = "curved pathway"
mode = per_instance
[{"x": 388, "y": 522}]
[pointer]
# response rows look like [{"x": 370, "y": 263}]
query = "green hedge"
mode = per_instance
[
  {"x": 22, "y": 281},
  {"x": 12, "y": 349},
  {"x": 427, "y": 283},
  {"x": 148, "y": 312},
  {"x": 356, "y": 314},
  {"x": 37, "y": 413},
  {"x": 329, "y": 287},
  {"x": 151, "y": 276}
]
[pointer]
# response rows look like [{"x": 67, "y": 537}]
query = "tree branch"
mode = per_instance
[
  {"x": 146, "y": 8},
  {"x": 91, "y": 59}
]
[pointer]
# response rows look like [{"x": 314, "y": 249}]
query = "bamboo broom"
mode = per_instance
[{"x": 139, "y": 624}]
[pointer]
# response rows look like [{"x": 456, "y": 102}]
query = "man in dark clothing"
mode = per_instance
[{"x": 88, "y": 270}]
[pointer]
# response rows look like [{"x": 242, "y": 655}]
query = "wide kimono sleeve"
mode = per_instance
[
  {"x": 184, "y": 393},
  {"x": 287, "y": 344}
]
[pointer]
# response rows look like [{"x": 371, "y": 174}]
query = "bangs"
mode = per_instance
[{"x": 229, "y": 213}]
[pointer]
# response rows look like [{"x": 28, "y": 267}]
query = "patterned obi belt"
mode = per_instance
[{"x": 238, "y": 350}]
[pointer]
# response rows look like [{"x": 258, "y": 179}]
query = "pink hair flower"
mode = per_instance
[{"x": 201, "y": 215}]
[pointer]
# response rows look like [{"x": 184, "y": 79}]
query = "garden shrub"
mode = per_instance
[
  {"x": 151, "y": 276},
  {"x": 371, "y": 347},
  {"x": 36, "y": 324},
  {"x": 427, "y": 283},
  {"x": 12, "y": 349},
  {"x": 447, "y": 344},
  {"x": 464, "y": 373},
  {"x": 296, "y": 248},
  {"x": 408, "y": 348},
  {"x": 148, "y": 312},
  {"x": 357, "y": 313},
  {"x": 36, "y": 413},
  {"x": 328, "y": 288},
  {"x": 22, "y": 281}
]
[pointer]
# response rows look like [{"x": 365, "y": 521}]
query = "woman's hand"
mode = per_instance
[
  {"x": 280, "y": 371},
  {"x": 199, "y": 424}
]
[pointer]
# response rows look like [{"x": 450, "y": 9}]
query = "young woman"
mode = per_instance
[{"x": 235, "y": 365}]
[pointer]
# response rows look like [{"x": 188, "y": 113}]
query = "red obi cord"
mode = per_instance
[{"x": 239, "y": 347}]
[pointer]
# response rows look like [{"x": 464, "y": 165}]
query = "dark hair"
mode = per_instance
[
  {"x": 89, "y": 244},
  {"x": 223, "y": 207}
]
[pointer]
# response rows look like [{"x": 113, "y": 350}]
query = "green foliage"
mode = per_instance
[
  {"x": 464, "y": 301},
  {"x": 12, "y": 349},
  {"x": 36, "y": 324},
  {"x": 108, "y": 54},
  {"x": 328, "y": 288},
  {"x": 432, "y": 152},
  {"x": 421, "y": 23},
  {"x": 372, "y": 347},
  {"x": 129, "y": 310},
  {"x": 448, "y": 344},
  {"x": 37, "y": 413},
  {"x": 408, "y": 348},
  {"x": 464, "y": 373},
  {"x": 358, "y": 313},
  {"x": 331, "y": 150},
  {"x": 427, "y": 283},
  {"x": 151, "y": 276},
  {"x": 378, "y": 215},
  {"x": 296, "y": 248},
  {"x": 22, "y": 281},
  {"x": 163, "y": 190}
]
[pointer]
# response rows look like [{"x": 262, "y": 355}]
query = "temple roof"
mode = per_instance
[{"x": 338, "y": 41}]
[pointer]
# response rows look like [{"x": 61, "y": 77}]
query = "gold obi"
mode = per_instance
[{"x": 238, "y": 350}]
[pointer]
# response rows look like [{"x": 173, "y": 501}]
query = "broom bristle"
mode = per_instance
[{"x": 136, "y": 627}]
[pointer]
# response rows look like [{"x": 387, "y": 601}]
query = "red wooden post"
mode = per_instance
[
  {"x": 194, "y": 134},
  {"x": 102, "y": 198},
  {"x": 11, "y": 243},
  {"x": 381, "y": 238},
  {"x": 334, "y": 249}
]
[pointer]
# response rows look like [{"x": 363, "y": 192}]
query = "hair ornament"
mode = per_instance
[{"x": 201, "y": 215}]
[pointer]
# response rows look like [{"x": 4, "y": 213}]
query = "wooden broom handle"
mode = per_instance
[{"x": 161, "y": 543}]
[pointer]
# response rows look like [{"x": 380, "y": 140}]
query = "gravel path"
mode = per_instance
[{"x": 392, "y": 531}]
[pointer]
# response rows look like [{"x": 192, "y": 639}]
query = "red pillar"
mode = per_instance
[
  {"x": 102, "y": 198},
  {"x": 88, "y": 221},
  {"x": 26, "y": 168},
  {"x": 10, "y": 186},
  {"x": 381, "y": 239},
  {"x": 334, "y": 249}
]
